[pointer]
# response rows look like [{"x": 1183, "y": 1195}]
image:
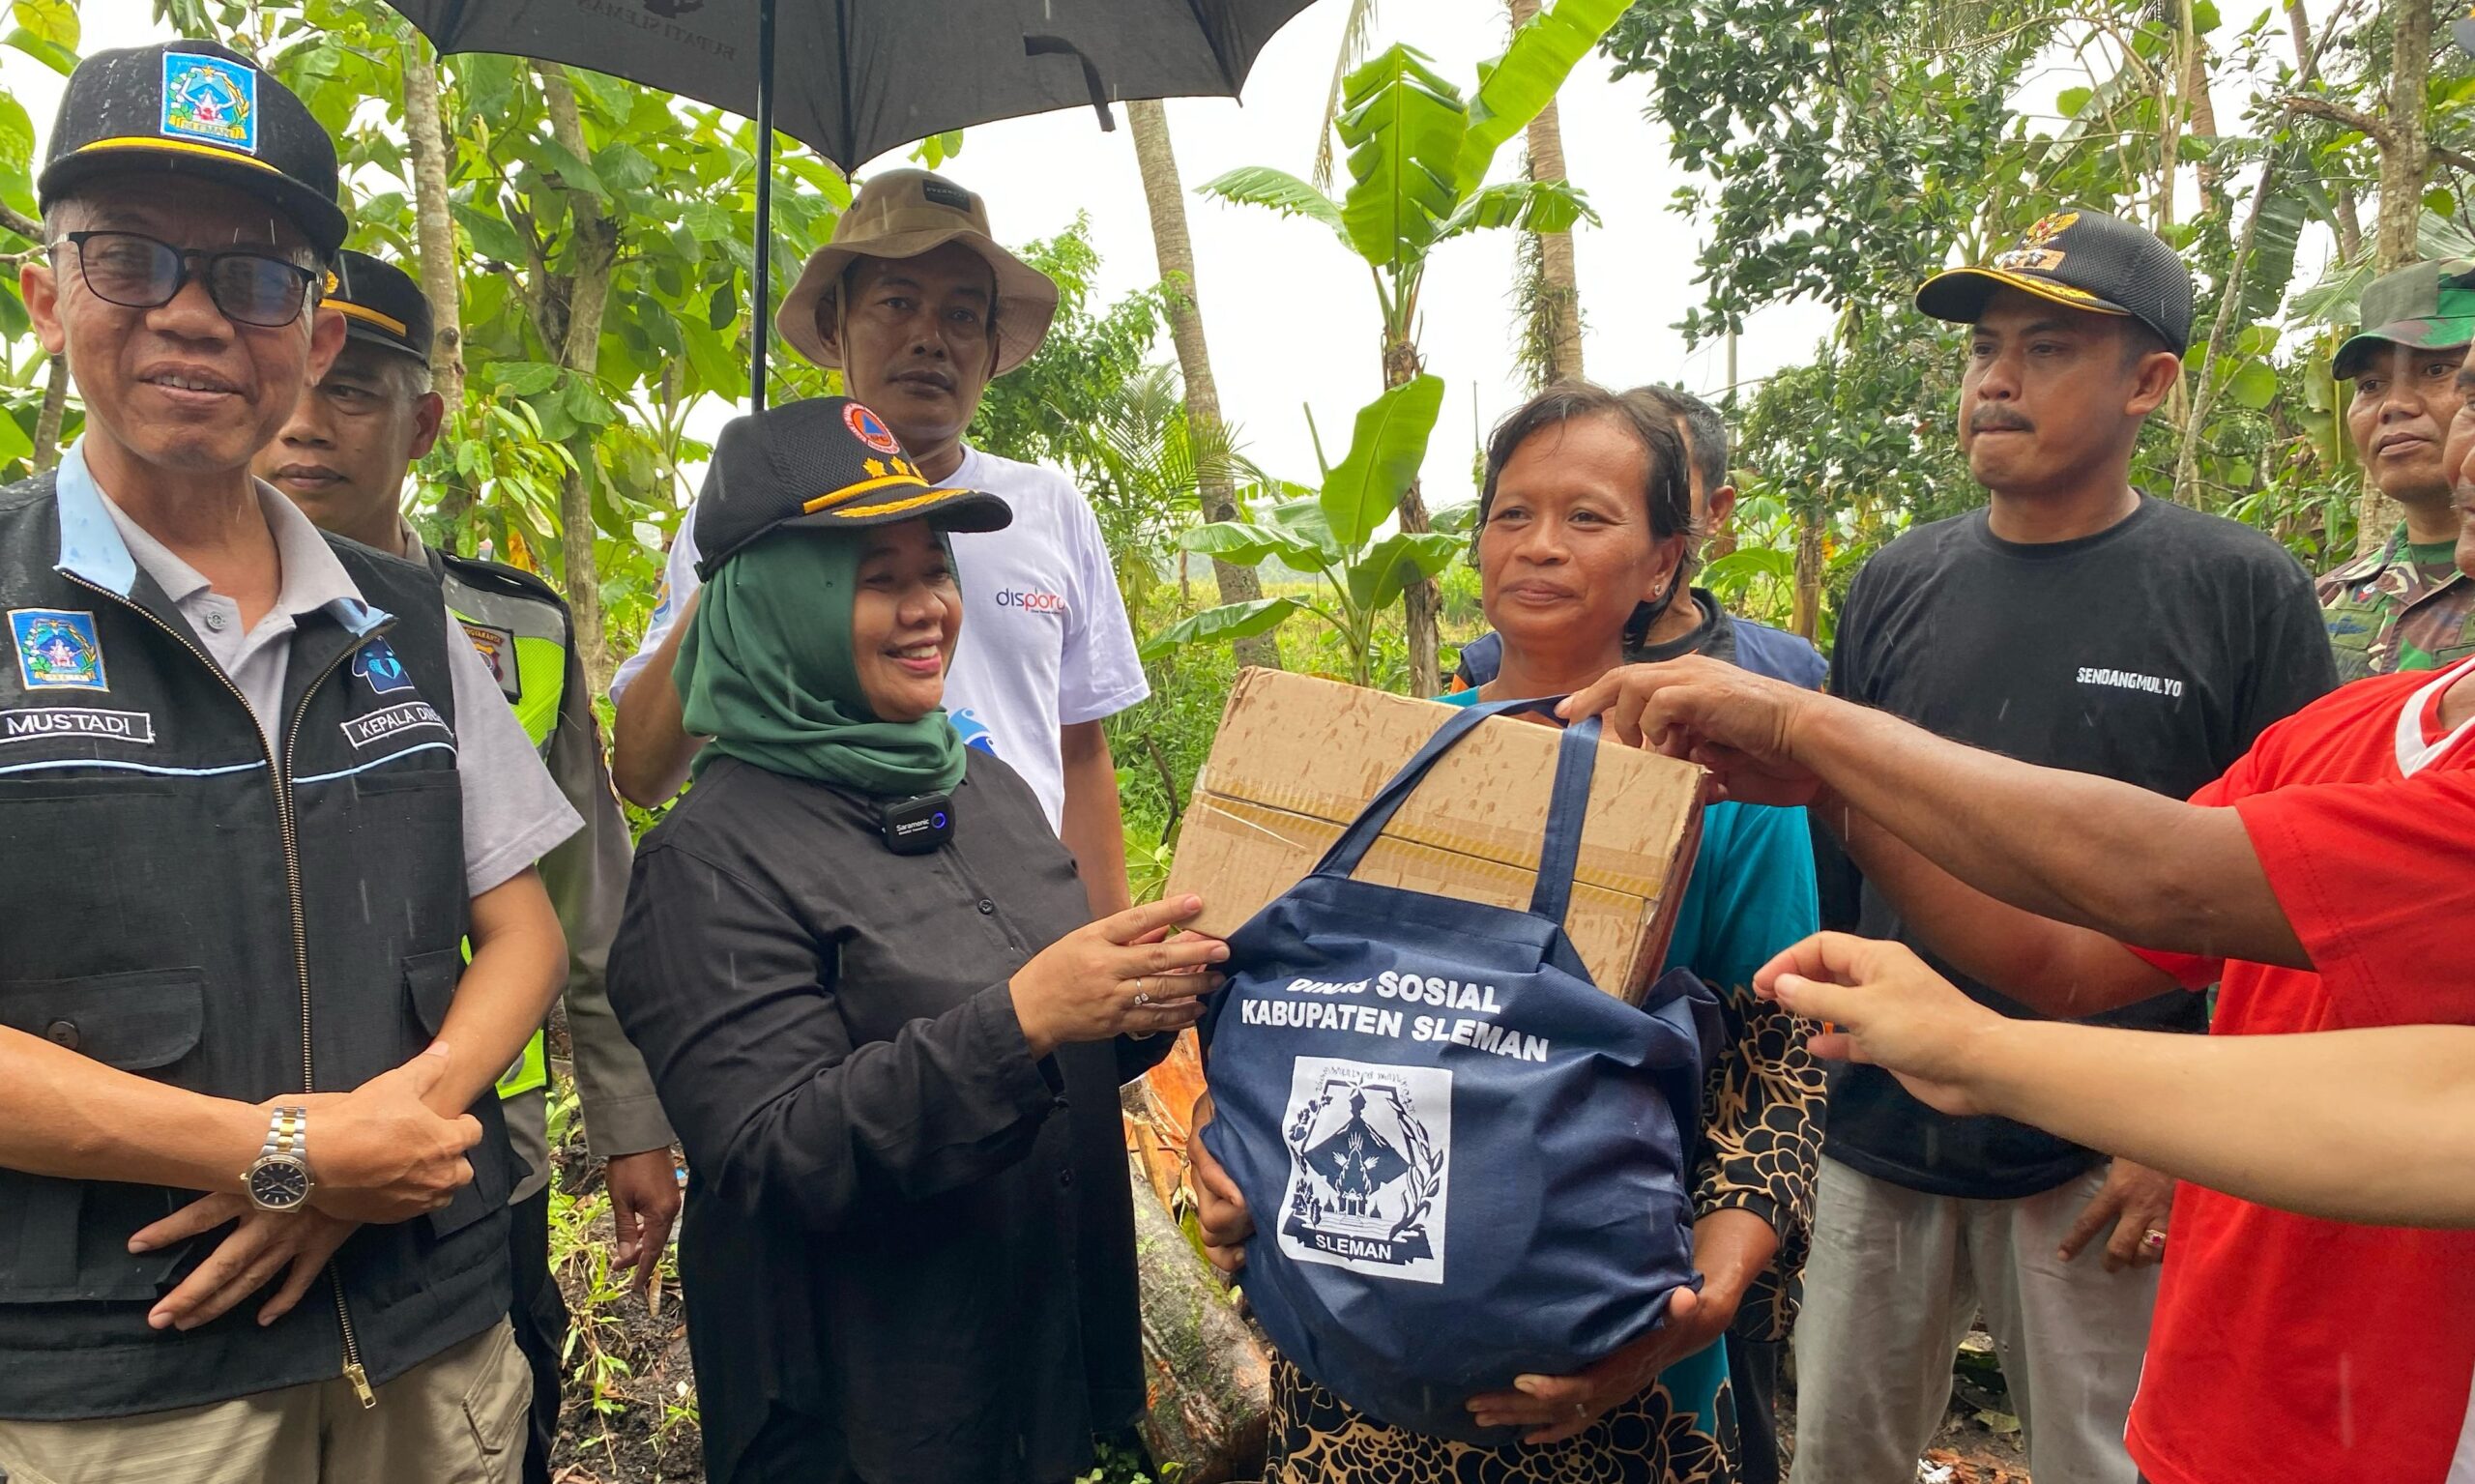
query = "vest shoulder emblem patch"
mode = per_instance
[
  {"x": 57, "y": 649},
  {"x": 497, "y": 648}
]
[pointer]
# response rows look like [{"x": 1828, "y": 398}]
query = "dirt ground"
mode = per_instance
[{"x": 632, "y": 1422}]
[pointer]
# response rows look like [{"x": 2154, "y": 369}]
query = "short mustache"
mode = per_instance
[{"x": 2000, "y": 422}]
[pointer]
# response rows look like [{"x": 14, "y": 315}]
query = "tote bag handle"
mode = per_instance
[{"x": 1575, "y": 759}]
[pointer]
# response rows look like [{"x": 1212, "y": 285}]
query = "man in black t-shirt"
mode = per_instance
[{"x": 2077, "y": 623}]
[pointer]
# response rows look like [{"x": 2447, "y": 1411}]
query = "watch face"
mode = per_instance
[{"x": 280, "y": 1183}]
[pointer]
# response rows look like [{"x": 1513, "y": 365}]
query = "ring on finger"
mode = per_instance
[
  {"x": 2153, "y": 1239},
  {"x": 1141, "y": 996}
]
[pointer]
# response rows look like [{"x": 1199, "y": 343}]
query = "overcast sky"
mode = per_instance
[{"x": 1289, "y": 313}]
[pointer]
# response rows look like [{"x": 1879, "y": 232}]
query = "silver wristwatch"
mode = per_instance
[{"x": 279, "y": 1179}]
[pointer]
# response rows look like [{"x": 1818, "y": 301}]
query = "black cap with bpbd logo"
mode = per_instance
[{"x": 828, "y": 462}]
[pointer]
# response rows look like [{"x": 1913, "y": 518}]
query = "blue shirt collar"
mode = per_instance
[{"x": 91, "y": 547}]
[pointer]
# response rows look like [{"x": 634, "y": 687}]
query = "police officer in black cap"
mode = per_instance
[
  {"x": 342, "y": 459},
  {"x": 260, "y": 792}
]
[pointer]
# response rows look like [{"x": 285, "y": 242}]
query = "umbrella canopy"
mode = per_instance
[
  {"x": 858, "y": 77},
  {"x": 854, "y": 79}
]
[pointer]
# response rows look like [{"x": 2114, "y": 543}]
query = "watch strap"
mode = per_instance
[{"x": 287, "y": 1132}]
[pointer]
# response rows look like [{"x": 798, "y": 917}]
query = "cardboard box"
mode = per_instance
[{"x": 1298, "y": 758}]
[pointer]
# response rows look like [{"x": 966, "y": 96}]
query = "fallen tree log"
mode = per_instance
[
  {"x": 1157, "y": 1110},
  {"x": 1207, "y": 1373}
]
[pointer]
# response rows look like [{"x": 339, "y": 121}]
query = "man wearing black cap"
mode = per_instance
[
  {"x": 342, "y": 459},
  {"x": 260, "y": 795},
  {"x": 2073, "y": 622}
]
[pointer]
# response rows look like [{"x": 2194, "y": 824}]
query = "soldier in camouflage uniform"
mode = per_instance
[{"x": 2406, "y": 607}]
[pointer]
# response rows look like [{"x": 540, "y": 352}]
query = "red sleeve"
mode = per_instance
[
  {"x": 2194, "y": 970},
  {"x": 2378, "y": 880}
]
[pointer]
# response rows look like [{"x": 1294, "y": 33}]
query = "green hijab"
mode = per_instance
[{"x": 766, "y": 670}]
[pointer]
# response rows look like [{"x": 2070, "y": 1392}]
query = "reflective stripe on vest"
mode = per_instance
[
  {"x": 531, "y": 1070},
  {"x": 521, "y": 640}
]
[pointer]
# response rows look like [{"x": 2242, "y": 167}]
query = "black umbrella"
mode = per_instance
[{"x": 864, "y": 76}]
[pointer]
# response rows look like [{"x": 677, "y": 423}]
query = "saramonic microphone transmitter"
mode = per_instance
[{"x": 917, "y": 826}]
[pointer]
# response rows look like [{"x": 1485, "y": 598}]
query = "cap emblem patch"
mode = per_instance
[
  {"x": 2033, "y": 255},
  {"x": 869, "y": 428},
  {"x": 211, "y": 99}
]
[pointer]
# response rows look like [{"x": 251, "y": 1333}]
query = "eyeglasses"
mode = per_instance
[{"x": 137, "y": 272}]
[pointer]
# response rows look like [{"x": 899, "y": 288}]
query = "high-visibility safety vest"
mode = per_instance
[{"x": 519, "y": 625}]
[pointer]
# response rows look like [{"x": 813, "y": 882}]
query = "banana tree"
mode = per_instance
[
  {"x": 1419, "y": 154},
  {"x": 1335, "y": 534}
]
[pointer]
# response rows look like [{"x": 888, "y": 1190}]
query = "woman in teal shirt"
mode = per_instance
[{"x": 1584, "y": 535}]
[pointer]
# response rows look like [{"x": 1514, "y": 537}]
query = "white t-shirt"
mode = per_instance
[{"x": 1045, "y": 641}]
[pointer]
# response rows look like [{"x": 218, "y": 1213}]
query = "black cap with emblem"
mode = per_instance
[
  {"x": 2085, "y": 261},
  {"x": 827, "y": 463},
  {"x": 381, "y": 305},
  {"x": 194, "y": 108}
]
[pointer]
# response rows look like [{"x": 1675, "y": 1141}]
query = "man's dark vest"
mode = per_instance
[{"x": 186, "y": 908}]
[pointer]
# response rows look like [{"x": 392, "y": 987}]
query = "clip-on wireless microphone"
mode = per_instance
[{"x": 917, "y": 826}]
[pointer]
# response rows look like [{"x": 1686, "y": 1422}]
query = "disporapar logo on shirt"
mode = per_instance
[
  {"x": 1370, "y": 1154},
  {"x": 1030, "y": 600}
]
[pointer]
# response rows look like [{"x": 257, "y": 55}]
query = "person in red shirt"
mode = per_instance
[
  {"x": 2375, "y": 1124},
  {"x": 2324, "y": 882}
]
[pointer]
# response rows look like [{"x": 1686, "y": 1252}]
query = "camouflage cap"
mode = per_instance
[{"x": 2429, "y": 306}]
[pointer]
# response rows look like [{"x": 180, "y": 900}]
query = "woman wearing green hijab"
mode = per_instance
[{"x": 860, "y": 966}]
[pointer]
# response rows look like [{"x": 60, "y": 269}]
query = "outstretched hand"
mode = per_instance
[
  {"x": 1881, "y": 1004},
  {"x": 1739, "y": 725}
]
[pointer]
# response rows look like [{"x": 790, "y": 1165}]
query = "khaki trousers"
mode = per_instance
[
  {"x": 455, "y": 1418},
  {"x": 1894, "y": 1280}
]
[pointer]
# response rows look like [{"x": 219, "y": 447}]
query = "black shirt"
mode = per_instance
[
  {"x": 908, "y": 1252},
  {"x": 2152, "y": 652}
]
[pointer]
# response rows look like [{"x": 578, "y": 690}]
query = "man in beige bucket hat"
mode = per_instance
[{"x": 918, "y": 307}]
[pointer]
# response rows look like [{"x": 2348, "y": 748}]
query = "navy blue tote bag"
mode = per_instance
[{"x": 1466, "y": 1162}]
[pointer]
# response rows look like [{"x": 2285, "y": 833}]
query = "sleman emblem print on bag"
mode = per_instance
[{"x": 1368, "y": 1145}]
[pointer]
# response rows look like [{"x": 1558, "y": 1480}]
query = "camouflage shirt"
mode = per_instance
[{"x": 2386, "y": 612}]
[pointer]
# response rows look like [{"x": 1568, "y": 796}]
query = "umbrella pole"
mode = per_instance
[{"x": 764, "y": 200}]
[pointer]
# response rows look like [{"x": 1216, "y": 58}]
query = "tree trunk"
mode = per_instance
[
  {"x": 55, "y": 405},
  {"x": 1422, "y": 600},
  {"x": 2406, "y": 160},
  {"x": 2203, "y": 122},
  {"x": 1207, "y": 1373},
  {"x": 591, "y": 255},
  {"x": 1807, "y": 613},
  {"x": 433, "y": 227},
  {"x": 1175, "y": 249},
  {"x": 1560, "y": 302},
  {"x": 2406, "y": 157},
  {"x": 2306, "y": 68}
]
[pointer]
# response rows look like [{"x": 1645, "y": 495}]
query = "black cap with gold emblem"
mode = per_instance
[
  {"x": 381, "y": 305},
  {"x": 195, "y": 108},
  {"x": 828, "y": 462},
  {"x": 2086, "y": 260}
]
